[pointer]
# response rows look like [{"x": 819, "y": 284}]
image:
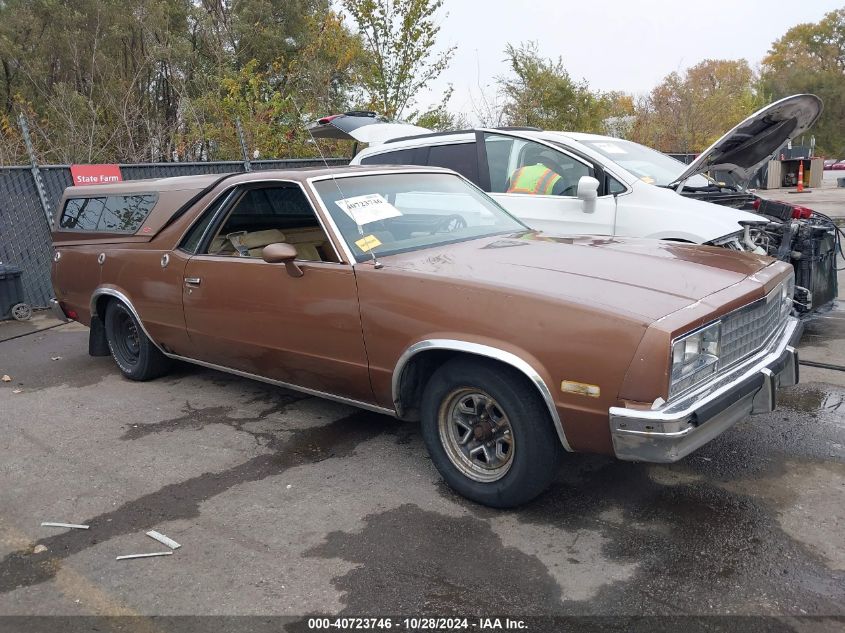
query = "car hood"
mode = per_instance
[
  {"x": 744, "y": 149},
  {"x": 645, "y": 279}
]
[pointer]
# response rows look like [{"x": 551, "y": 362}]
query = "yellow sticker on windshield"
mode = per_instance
[{"x": 368, "y": 243}]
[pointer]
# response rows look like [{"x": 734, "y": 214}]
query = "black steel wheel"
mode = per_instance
[{"x": 135, "y": 354}]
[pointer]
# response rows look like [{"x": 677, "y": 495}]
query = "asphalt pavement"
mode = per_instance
[
  {"x": 828, "y": 199},
  {"x": 290, "y": 505}
]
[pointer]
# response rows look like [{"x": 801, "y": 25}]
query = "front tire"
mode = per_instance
[
  {"x": 135, "y": 354},
  {"x": 489, "y": 433}
]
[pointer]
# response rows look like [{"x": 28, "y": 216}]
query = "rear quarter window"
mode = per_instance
[
  {"x": 459, "y": 157},
  {"x": 396, "y": 157},
  {"x": 109, "y": 214}
]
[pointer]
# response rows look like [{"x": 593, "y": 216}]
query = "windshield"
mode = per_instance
[
  {"x": 647, "y": 164},
  {"x": 403, "y": 212}
]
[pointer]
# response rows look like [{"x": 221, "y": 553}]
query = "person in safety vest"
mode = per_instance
[{"x": 535, "y": 176}]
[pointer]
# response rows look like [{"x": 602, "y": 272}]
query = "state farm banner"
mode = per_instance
[{"x": 95, "y": 174}]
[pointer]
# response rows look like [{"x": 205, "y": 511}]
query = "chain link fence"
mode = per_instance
[{"x": 24, "y": 227}]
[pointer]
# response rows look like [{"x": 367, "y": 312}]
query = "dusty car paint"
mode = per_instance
[{"x": 592, "y": 310}]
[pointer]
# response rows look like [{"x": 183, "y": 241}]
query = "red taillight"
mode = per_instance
[
  {"x": 71, "y": 314},
  {"x": 756, "y": 204},
  {"x": 801, "y": 213},
  {"x": 326, "y": 119}
]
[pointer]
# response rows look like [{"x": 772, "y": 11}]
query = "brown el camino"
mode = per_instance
[{"x": 409, "y": 292}]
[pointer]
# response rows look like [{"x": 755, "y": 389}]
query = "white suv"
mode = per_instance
[{"x": 609, "y": 186}]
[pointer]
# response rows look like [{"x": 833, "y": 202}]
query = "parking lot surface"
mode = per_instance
[
  {"x": 287, "y": 504},
  {"x": 828, "y": 199}
]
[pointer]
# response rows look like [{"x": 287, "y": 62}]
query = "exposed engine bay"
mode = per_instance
[{"x": 808, "y": 240}]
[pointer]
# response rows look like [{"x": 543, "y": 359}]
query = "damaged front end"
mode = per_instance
[{"x": 806, "y": 239}]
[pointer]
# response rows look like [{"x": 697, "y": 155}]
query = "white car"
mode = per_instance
[{"x": 608, "y": 186}]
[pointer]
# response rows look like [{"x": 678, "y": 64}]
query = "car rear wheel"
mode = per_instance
[
  {"x": 488, "y": 433},
  {"x": 135, "y": 354}
]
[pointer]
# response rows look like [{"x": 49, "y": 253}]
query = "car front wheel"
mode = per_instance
[
  {"x": 135, "y": 354},
  {"x": 489, "y": 433}
]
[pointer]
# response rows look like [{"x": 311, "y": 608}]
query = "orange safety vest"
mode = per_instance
[{"x": 536, "y": 179}]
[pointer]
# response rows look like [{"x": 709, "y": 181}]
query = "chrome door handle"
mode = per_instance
[{"x": 193, "y": 281}]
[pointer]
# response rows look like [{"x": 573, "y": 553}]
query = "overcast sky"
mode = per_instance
[{"x": 625, "y": 45}]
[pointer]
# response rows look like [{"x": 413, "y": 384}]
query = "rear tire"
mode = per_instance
[
  {"x": 135, "y": 354},
  {"x": 489, "y": 433}
]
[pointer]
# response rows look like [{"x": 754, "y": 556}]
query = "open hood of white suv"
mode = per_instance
[
  {"x": 363, "y": 127},
  {"x": 744, "y": 149}
]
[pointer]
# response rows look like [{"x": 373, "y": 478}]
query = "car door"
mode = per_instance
[
  {"x": 245, "y": 314},
  {"x": 503, "y": 154}
]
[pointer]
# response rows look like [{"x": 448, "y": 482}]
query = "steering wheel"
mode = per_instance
[
  {"x": 450, "y": 223},
  {"x": 571, "y": 190}
]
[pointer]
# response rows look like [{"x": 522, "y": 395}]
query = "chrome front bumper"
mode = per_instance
[
  {"x": 676, "y": 429},
  {"x": 57, "y": 311}
]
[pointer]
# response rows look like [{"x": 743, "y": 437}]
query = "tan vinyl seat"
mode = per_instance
[
  {"x": 307, "y": 242},
  {"x": 257, "y": 240},
  {"x": 220, "y": 246}
]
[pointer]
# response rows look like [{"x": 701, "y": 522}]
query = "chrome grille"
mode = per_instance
[{"x": 746, "y": 330}]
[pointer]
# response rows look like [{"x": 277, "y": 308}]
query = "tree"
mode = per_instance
[
  {"x": 540, "y": 92},
  {"x": 121, "y": 80},
  {"x": 688, "y": 112},
  {"x": 275, "y": 102},
  {"x": 440, "y": 118},
  {"x": 399, "y": 38},
  {"x": 811, "y": 58}
]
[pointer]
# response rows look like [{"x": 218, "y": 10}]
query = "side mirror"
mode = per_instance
[
  {"x": 588, "y": 191},
  {"x": 281, "y": 253}
]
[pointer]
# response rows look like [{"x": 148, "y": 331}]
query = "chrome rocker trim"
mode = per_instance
[
  {"x": 479, "y": 350},
  {"x": 57, "y": 311},
  {"x": 287, "y": 385},
  {"x": 678, "y": 428}
]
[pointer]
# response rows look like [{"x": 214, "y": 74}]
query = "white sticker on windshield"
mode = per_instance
[
  {"x": 370, "y": 208},
  {"x": 610, "y": 148}
]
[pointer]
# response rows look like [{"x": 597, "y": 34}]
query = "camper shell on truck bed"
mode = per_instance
[{"x": 130, "y": 211}]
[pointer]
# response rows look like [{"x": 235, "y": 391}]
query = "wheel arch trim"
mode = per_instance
[
  {"x": 486, "y": 351},
  {"x": 120, "y": 296}
]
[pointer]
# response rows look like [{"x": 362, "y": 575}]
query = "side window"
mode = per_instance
[
  {"x": 498, "y": 150},
  {"x": 520, "y": 166},
  {"x": 271, "y": 215},
  {"x": 82, "y": 214},
  {"x": 460, "y": 157},
  {"x": 114, "y": 214},
  {"x": 613, "y": 186},
  {"x": 191, "y": 241},
  {"x": 399, "y": 157},
  {"x": 125, "y": 214}
]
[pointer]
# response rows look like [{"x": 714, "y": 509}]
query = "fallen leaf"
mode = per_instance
[
  {"x": 6, "y": 378},
  {"x": 17, "y": 390},
  {"x": 39, "y": 549},
  {"x": 56, "y": 358}
]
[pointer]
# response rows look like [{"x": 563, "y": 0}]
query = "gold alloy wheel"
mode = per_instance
[{"x": 476, "y": 434}]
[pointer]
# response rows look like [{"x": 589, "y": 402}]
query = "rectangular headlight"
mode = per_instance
[{"x": 695, "y": 357}]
